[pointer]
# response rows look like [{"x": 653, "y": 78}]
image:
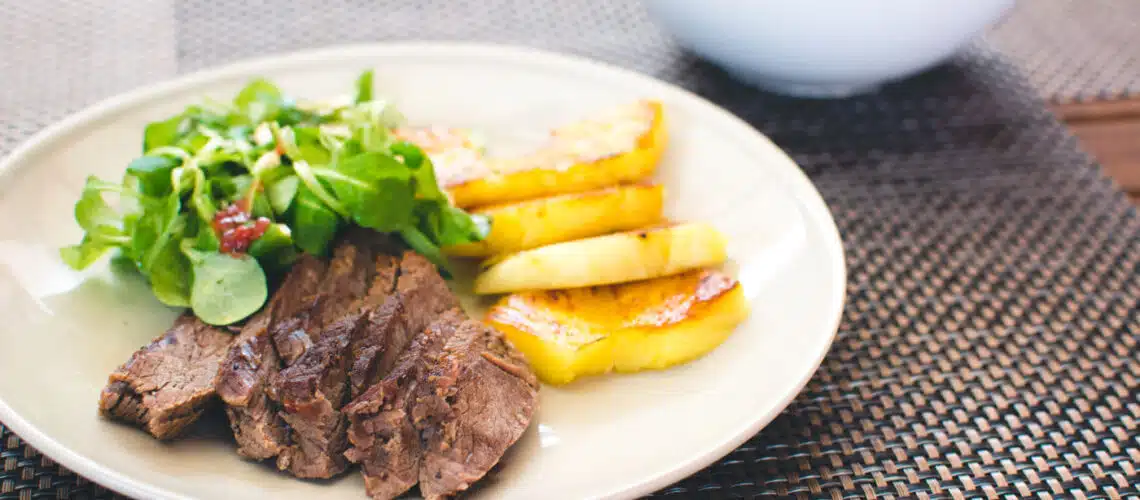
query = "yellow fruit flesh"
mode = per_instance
[
  {"x": 582, "y": 156},
  {"x": 544, "y": 221},
  {"x": 646, "y": 325},
  {"x": 604, "y": 260},
  {"x": 455, "y": 153}
]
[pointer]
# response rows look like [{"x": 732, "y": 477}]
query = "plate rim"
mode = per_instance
[{"x": 94, "y": 113}]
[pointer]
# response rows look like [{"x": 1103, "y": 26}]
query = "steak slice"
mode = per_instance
[
  {"x": 421, "y": 295},
  {"x": 348, "y": 278},
  {"x": 252, "y": 361},
  {"x": 425, "y": 294},
  {"x": 382, "y": 335},
  {"x": 165, "y": 386},
  {"x": 244, "y": 373},
  {"x": 384, "y": 438},
  {"x": 476, "y": 400},
  {"x": 311, "y": 392},
  {"x": 314, "y": 388}
]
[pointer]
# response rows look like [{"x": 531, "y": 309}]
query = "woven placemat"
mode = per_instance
[
  {"x": 1075, "y": 50},
  {"x": 990, "y": 347}
]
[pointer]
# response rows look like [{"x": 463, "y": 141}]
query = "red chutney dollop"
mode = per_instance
[{"x": 237, "y": 229}]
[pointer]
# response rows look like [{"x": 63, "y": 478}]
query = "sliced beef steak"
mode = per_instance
[
  {"x": 425, "y": 294},
  {"x": 242, "y": 380},
  {"x": 348, "y": 278},
  {"x": 382, "y": 335},
  {"x": 475, "y": 401},
  {"x": 252, "y": 361},
  {"x": 311, "y": 393},
  {"x": 384, "y": 438},
  {"x": 313, "y": 389},
  {"x": 421, "y": 295},
  {"x": 165, "y": 386}
]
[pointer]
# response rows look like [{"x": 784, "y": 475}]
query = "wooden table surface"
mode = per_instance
[
  {"x": 1110, "y": 131},
  {"x": 1081, "y": 56}
]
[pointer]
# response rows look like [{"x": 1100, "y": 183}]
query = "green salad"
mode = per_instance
[{"x": 227, "y": 195}]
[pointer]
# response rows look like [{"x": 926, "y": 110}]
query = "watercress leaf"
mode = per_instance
[
  {"x": 274, "y": 249},
  {"x": 458, "y": 227},
  {"x": 271, "y": 174},
  {"x": 122, "y": 264},
  {"x": 277, "y": 236},
  {"x": 192, "y": 142},
  {"x": 153, "y": 173},
  {"x": 351, "y": 147},
  {"x": 364, "y": 87},
  {"x": 82, "y": 255},
  {"x": 145, "y": 235},
  {"x": 261, "y": 207},
  {"x": 239, "y": 132},
  {"x": 375, "y": 189},
  {"x": 373, "y": 138},
  {"x": 222, "y": 159},
  {"x": 319, "y": 188},
  {"x": 313, "y": 223},
  {"x": 282, "y": 192},
  {"x": 169, "y": 270},
  {"x": 289, "y": 115},
  {"x": 413, "y": 156},
  {"x": 200, "y": 234},
  {"x": 202, "y": 203},
  {"x": 162, "y": 133},
  {"x": 278, "y": 263},
  {"x": 232, "y": 188},
  {"x": 260, "y": 100},
  {"x": 130, "y": 225},
  {"x": 92, "y": 210},
  {"x": 157, "y": 228},
  {"x": 422, "y": 244},
  {"x": 226, "y": 288},
  {"x": 423, "y": 171},
  {"x": 134, "y": 202},
  {"x": 310, "y": 147},
  {"x": 216, "y": 116},
  {"x": 427, "y": 214},
  {"x": 153, "y": 244}
]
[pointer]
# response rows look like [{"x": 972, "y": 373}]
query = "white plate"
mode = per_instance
[{"x": 613, "y": 436}]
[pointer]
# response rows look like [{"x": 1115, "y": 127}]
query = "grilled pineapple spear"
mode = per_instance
[
  {"x": 533, "y": 223},
  {"x": 620, "y": 145},
  {"x": 578, "y": 185},
  {"x": 603, "y": 260},
  {"x": 644, "y": 325}
]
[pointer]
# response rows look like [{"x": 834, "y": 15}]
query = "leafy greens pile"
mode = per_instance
[{"x": 295, "y": 173}]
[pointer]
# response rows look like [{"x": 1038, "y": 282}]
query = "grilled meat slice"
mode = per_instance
[
  {"x": 167, "y": 385},
  {"x": 385, "y": 441}
]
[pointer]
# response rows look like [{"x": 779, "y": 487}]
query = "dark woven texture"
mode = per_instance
[
  {"x": 25, "y": 474},
  {"x": 1075, "y": 50},
  {"x": 990, "y": 347}
]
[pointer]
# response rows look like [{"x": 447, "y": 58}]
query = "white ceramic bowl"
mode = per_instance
[{"x": 825, "y": 48}]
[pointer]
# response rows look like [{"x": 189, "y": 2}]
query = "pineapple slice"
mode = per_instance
[
  {"x": 621, "y": 145},
  {"x": 604, "y": 260},
  {"x": 544, "y": 221},
  {"x": 455, "y": 153},
  {"x": 645, "y": 325}
]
